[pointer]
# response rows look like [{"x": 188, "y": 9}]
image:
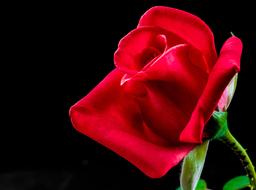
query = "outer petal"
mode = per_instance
[
  {"x": 226, "y": 67},
  {"x": 189, "y": 27},
  {"x": 111, "y": 117}
]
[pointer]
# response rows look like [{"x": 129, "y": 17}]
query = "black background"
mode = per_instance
[{"x": 57, "y": 52}]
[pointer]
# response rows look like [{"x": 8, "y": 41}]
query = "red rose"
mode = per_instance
[{"x": 168, "y": 80}]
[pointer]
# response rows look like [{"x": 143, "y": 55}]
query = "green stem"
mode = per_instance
[{"x": 237, "y": 148}]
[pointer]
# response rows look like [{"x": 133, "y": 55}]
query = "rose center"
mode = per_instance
[{"x": 156, "y": 47}]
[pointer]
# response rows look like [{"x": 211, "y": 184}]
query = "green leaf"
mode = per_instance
[
  {"x": 201, "y": 185},
  {"x": 192, "y": 167},
  {"x": 237, "y": 183}
]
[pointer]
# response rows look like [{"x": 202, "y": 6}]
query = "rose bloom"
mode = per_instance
[{"x": 153, "y": 107}]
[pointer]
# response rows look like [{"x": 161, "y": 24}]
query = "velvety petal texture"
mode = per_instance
[
  {"x": 153, "y": 107},
  {"x": 171, "y": 86},
  {"x": 111, "y": 117}
]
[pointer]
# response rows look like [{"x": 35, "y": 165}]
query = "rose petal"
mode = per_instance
[
  {"x": 173, "y": 84},
  {"x": 226, "y": 67},
  {"x": 111, "y": 117},
  {"x": 142, "y": 45},
  {"x": 185, "y": 25}
]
